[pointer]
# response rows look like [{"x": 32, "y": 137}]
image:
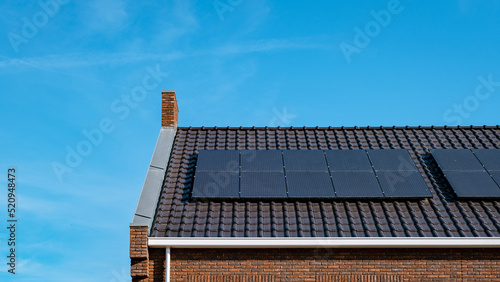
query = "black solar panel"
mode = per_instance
[
  {"x": 304, "y": 160},
  {"x": 356, "y": 184},
  {"x": 262, "y": 160},
  {"x": 216, "y": 185},
  {"x": 309, "y": 184},
  {"x": 403, "y": 184},
  {"x": 456, "y": 159},
  {"x": 218, "y": 160},
  {"x": 348, "y": 160},
  {"x": 490, "y": 158},
  {"x": 263, "y": 185},
  {"x": 496, "y": 176},
  {"x": 472, "y": 184},
  {"x": 262, "y": 174},
  {"x": 393, "y": 159}
]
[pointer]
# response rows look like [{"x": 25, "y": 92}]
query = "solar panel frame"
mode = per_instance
[
  {"x": 215, "y": 185},
  {"x": 348, "y": 160},
  {"x": 305, "y": 160},
  {"x": 495, "y": 174},
  {"x": 309, "y": 184},
  {"x": 403, "y": 184},
  {"x": 489, "y": 158},
  {"x": 456, "y": 160},
  {"x": 262, "y": 185},
  {"x": 262, "y": 160},
  {"x": 356, "y": 184},
  {"x": 391, "y": 160},
  {"x": 472, "y": 184},
  {"x": 218, "y": 160}
]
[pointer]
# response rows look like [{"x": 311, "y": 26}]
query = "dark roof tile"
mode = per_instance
[{"x": 440, "y": 216}]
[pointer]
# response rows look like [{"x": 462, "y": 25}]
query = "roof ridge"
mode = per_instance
[{"x": 339, "y": 127}]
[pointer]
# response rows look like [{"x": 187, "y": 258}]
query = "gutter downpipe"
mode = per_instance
[{"x": 167, "y": 272}]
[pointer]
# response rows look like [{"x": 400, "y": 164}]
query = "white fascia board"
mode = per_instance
[{"x": 424, "y": 242}]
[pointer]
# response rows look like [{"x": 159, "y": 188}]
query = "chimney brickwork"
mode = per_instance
[{"x": 169, "y": 109}]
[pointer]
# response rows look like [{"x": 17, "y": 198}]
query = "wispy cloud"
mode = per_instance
[
  {"x": 33, "y": 270},
  {"x": 85, "y": 60},
  {"x": 258, "y": 12},
  {"x": 177, "y": 21},
  {"x": 107, "y": 15},
  {"x": 184, "y": 14},
  {"x": 267, "y": 45},
  {"x": 92, "y": 59},
  {"x": 43, "y": 208},
  {"x": 228, "y": 83}
]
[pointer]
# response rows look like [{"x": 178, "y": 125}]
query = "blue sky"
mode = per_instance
[{"x": 71, "y": 67}]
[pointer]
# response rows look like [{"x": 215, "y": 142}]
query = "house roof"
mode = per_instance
[{"x": 176, "y": 214}]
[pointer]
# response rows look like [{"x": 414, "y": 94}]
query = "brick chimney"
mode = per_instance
[{"x": 169, "y": 110}]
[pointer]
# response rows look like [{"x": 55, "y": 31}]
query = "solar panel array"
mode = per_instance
[
  {"x": 471, "y": 173},
  {"x": 268, "y": 174}
]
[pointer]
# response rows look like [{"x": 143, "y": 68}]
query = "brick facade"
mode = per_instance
[
  {"x": 139, "y": 255},
  {"x": 146, "y": 264},
  {"x": 322, "y": 265},
  {"x": 156, "y": 265},
  {"x": 169, "y": 109}
]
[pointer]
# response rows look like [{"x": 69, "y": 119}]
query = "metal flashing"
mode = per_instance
[
  {"x": 163, "y": 147},
  {"x": 151, "y": 190}
]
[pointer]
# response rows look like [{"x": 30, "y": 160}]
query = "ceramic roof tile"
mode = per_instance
[{"x": 441, "y": 216}]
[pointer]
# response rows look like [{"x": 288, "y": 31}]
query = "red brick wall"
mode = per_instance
[
  {"x": 325, "y": 265},
  {"x": 156, "y": 265},
  {"x": 146, "y": 264},
  {"x": 139, "y": 251}
]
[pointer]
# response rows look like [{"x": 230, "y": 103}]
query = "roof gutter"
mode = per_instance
[{"x": 343, "y": 242}]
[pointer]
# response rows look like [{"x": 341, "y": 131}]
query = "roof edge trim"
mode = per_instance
[
  {"x": 343, "y": 242},
  {"x": 151, "y": 189},
  {"x": 427, "y": 127}
]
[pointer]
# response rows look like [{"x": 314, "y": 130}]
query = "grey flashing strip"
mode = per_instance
[{"x": 151, "y": 190}]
